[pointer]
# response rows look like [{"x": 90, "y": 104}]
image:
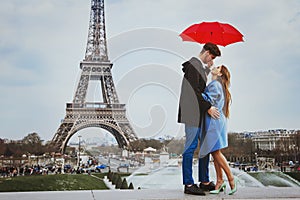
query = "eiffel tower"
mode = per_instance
[{"x": 109, "y": 114}]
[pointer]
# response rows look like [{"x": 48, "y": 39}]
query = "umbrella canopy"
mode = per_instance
[{"x": 214, "y": 32}]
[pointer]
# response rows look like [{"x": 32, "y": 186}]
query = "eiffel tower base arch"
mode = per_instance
[{"x": 110, "y": 119}]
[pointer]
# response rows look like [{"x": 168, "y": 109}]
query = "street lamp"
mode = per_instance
[
  {"x": 79, "y": 136},
  {"x": 256, "y": 164},
  {"x": 295, "y": 150}
]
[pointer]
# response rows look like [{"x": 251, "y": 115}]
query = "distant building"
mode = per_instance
[{"x": 271, "y": 139}]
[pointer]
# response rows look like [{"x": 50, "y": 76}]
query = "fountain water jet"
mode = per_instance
[{"x": 171, "y": 178}]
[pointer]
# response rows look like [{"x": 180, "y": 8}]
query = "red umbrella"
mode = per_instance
[{"x": 214, "y": 32}]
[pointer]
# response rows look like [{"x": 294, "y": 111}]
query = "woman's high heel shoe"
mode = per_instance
[
  {"x": 232, "y": 191},
  {"x": 223, "y": 186}
]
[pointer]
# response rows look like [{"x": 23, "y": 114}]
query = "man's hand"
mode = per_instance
[{"x": 213, "y": 112}]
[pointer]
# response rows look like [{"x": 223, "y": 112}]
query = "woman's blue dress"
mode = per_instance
[{"x": 214, "y": 131}]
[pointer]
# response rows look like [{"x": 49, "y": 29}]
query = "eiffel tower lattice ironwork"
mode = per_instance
[{"x": 109, "y": 114}]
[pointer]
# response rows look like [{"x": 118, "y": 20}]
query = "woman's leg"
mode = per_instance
[
  {"x": 222, "y": 162},
  {"x": 219, "y": 173}
]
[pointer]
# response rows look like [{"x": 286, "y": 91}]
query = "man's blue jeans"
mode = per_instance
[{"x": 192, "y": 135}]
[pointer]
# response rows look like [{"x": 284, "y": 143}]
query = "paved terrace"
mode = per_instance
[{"x": 284, "y": 193}]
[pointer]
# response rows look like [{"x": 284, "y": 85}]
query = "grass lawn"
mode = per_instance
[{"x": 59, "y": 182}]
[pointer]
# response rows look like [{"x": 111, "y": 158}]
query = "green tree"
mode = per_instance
[
  {"x": 32, "y": 138},
  {"x": 32, "y": 143},
  {"x": 138, "y": 145},
  {"x": 239, "y": 148},
  {"x": 175, "y": 145},
  {"x": 156, "y": 144},
  {"x": 2, "y": 146},
  {"x": 8, "y": 152}
]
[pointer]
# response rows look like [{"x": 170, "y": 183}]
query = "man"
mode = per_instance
[{"x": 192, "y": 108}]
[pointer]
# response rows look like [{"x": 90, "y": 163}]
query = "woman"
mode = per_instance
[{"x": 214, "y": 137}]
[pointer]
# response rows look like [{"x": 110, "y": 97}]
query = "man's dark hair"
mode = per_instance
[{"x": 212, "y": 48}]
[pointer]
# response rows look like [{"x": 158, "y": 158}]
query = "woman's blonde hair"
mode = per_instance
[{"x": 225, "y": 80}]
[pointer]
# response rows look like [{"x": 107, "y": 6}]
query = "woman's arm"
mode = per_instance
[{"x": 213, "y": 92}]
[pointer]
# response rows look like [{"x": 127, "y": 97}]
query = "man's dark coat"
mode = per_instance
[{"x": 192, "y": 106}]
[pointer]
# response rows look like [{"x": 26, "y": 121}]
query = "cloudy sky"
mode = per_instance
[{"x": 43, "y": 42}]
